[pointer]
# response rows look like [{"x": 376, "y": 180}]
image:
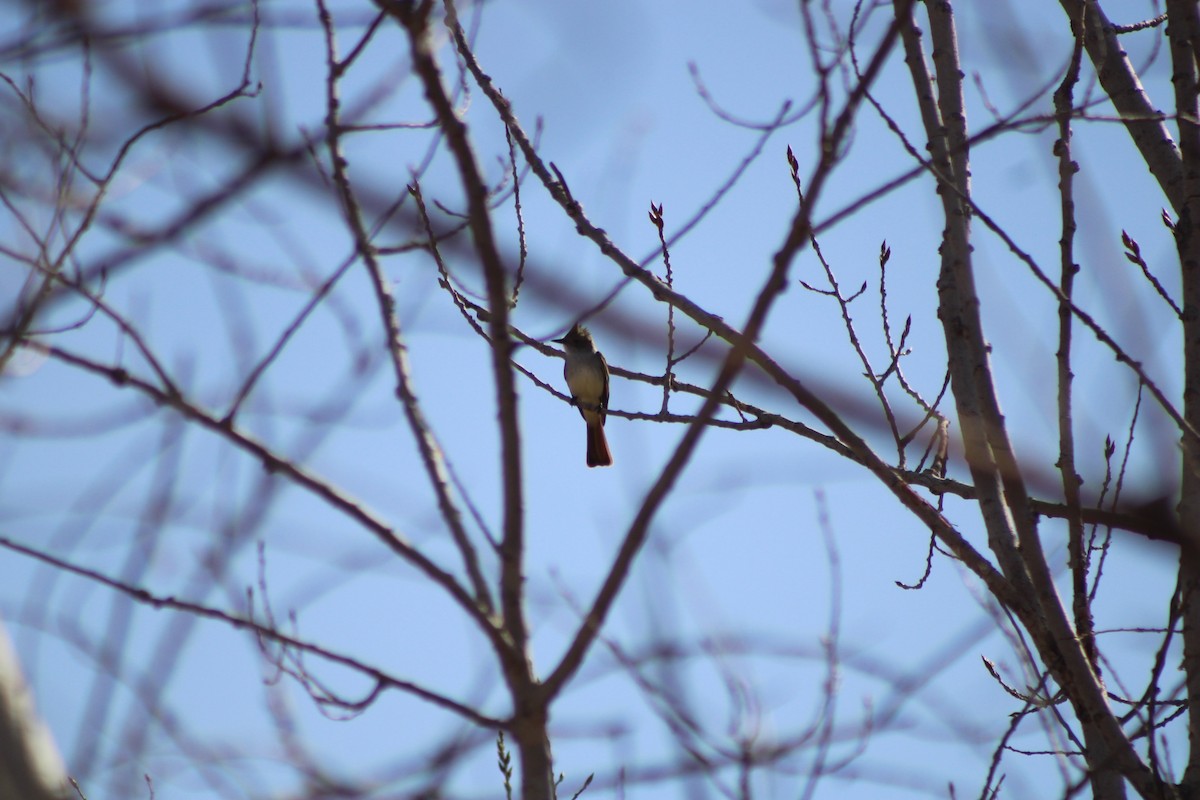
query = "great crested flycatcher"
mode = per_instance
[{"x": 587, "y": 378}]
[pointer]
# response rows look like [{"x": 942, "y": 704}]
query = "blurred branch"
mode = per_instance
[
  {"x": 296, "y": 473},
  {"x": 31, "y": 768},
  {"x": 382, "y": 679}
]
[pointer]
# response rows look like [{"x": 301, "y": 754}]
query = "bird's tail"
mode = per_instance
[{"x": 598, "y": 454}]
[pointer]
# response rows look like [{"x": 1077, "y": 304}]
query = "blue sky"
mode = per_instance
[{"x": 739, "y": 553}]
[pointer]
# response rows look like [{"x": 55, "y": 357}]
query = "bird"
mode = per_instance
[{"x": 587, "y": 379}]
